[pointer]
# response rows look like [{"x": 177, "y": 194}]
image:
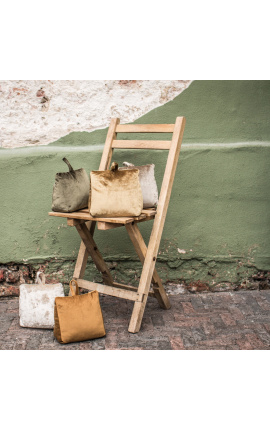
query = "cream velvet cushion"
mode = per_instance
[{"x": 148, "y": 183}]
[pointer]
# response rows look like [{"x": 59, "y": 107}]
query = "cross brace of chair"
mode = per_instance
[{"x": 113, "y": 288}]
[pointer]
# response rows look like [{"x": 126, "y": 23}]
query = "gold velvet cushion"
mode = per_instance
[
  {"x": 78, "y": 317},
  {"x": 147, "y": 182},
  {"x": 115, "y": 193},
  {"x": 71, "y": 190}
]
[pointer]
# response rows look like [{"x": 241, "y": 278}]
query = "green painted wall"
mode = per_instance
[{"x": 219, "y": 210}]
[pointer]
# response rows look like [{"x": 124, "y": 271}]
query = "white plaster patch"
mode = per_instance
[
  {"x": 181, "y": 251},
  {"x": 175, "y": 289},
  {"x": 40, "y": 112}
]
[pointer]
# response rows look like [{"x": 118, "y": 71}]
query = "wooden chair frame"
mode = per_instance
[{"x": 85, "y": 223}]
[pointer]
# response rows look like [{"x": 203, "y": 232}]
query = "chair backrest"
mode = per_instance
[
  {"x": 115, "y": 128},
  {"x": 173, "y": 146}
]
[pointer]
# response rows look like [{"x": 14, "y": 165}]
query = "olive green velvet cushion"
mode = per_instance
[{"x": 71, "y": 190}]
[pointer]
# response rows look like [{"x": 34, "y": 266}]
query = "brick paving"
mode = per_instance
[{"x": 229, "y": 320}]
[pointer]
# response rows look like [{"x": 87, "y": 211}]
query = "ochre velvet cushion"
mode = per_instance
[
  {"x": 115, "y": 193},
  {"x": 147, "y": 182},
  {"x": 78, "y": 317}
]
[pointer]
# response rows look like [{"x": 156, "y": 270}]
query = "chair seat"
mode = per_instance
[{"x": 84, "y": 215}]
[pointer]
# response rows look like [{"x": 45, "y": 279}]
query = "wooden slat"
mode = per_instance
[
  {"x": 74, "y": 215},
  {"x": 145, "y": 128},
  {"x": 130, "y": 288},
  {"x": 147, "y": 218},
  {"x": 87, "y": 217},
  {"x": 149, "y": 211},
  {"x": 108, "y": 225},
  {"x": 84, "y": 215},
  {"x": 146, "y": 215},
  {"x": 141, "y": 144},
  {"x": 110, "y": 291}
]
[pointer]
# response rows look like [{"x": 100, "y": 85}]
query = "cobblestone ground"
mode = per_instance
[{"x": 229, "y": 320}]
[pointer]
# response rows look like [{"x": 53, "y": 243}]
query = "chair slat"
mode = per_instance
[
  {"x": 106, "y": 289},
  {"x": 141, "y": 144},
  {"x": 145, "y": 128},
  {"x": 82, "y": 215}
]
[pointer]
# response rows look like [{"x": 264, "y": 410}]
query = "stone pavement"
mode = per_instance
[{"x": 229, "y": 320}]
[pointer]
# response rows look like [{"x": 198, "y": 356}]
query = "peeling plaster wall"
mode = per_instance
[{"x": 40, "y": 112}]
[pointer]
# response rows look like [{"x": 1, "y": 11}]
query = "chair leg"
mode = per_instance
[
  {"x": 92, "y": 249},
  {"x": 83, "y": 254},
  {"x": 141, "y": 249},
  {"x": 137, "y": 315},
  {"x": 143, "y": 290}
]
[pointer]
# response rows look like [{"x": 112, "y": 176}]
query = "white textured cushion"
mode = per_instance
[
  {"x": 36, "y": 304},
  {"x": 147, "y": 182}
]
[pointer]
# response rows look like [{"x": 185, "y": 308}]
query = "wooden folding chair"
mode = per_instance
[{"x": 150, "y": 283}]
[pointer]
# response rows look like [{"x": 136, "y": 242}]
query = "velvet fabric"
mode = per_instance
[
  {"x": 78, "y": 317},
  {"x": 147, "y": 182},
  {"x": 71, "y": 190},
  {"x": 115, "y": 193}
]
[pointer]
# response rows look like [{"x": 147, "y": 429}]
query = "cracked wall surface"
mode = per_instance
[{"x": 40, "y": 112}]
